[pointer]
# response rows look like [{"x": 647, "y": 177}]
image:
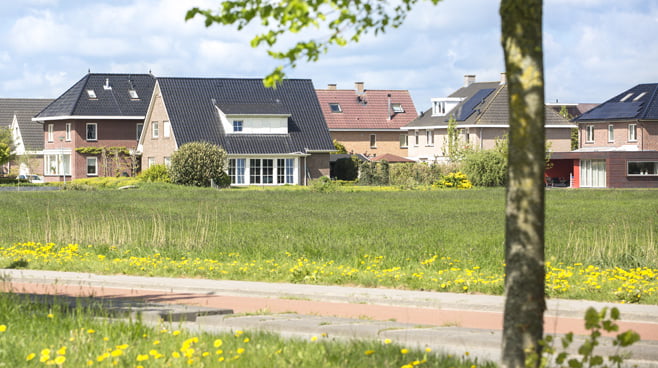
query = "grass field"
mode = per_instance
[{"x": 600, "y": 244}]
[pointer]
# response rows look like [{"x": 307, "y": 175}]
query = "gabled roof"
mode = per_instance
[
  {"x": 115, "y": 101},
  {"x": 191, "y": 106},
  {"x": 391, "y": 158},
  {"x": 639, "y": 102},
  {"x": 367, "y": 110},
  {"x": 485, "y": 104},
  {"x": 24, "y": 109}
]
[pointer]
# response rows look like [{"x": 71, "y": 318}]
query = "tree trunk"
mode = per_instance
[{"x": 524, "y": 230}]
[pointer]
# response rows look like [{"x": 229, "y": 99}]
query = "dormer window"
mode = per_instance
[
  {"x": 335, "y": 107},
  {"x": 238, "y": 125},
  {"x": 442, "y": 106},
  {"x": 439, "y": 108},
  {"x": 397, "y": 107},
  {"x": 91, "y": 94},
  {"x": 133, "y": 94}
]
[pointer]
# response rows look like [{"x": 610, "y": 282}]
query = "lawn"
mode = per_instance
[{"x": 600, "y": 244}]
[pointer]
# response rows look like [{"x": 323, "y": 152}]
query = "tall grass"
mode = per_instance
[{"x": 601, "y": 227}]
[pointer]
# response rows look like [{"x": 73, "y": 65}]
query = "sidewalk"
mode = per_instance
[{"x": 454, "y": 323}]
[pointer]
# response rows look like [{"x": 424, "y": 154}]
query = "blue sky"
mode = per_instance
[{"x": 593, "y": 49}]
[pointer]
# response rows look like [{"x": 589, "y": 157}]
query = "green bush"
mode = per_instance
[
  {"x": 486, "y": 168},
  {"x": 155, "y": 174},
  {"x": 419, "y": 173},
  {"x": 197, "y": 163}
]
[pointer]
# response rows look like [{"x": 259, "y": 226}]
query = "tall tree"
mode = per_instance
[
  {"x": 6, "y": 145},
  {"x": 347, "y": 21}
]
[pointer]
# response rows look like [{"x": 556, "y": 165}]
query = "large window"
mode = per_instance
[
  {"x": 285, "y": 168},
  {"x": 590, "y": 133},
  {"x": 254, "y": 171},
  {"x": 642, "y": 168},
  {"x": 92, "y": 166},
  {"x": 236, "y": 170},
  {"x": 57, "y": 163},
  {"x": 632, "y": 132},
  {"x": 268, "y": 171},
  {"x": 92, "y": 132},
  {"x": 592, "y": 173}
]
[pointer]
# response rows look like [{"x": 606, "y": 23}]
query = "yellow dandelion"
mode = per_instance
[
  {"x": 221, "y": 359},
  {"x": 30, "y": 357},
  {"x": 314, "y": 338},
  {"x": 404, "y": 351},
  {"x": 246, "y": 339},
  {"x": 218, "y": 343},
  {"x": 205, "y": 354},
  {"x": 91, "y": 331},
  {"x": 90, "y": 362},
  {"x": 117, "y": 353},
  {"x": 61, "y": 351},
  {"x": 50, "y": 315},
  {"x": 369, "y": 352},
  {"x": 3, "y": 328},
  {"x": 219, "y": 352},
  {"x": 240, "y": 350},
  {"x": 142, "y": 357},
  {"x": 60, "y": 360},
  {"x": 175, "y": 354},
  {"x": 387, "y": 341},
  {"x": 176, "y": 333},
  {"x": 156, "y": 342}
]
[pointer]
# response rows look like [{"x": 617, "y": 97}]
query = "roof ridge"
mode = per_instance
[
  {"x": 231, "y": 78},
  {"x": 84, "y": 87}
]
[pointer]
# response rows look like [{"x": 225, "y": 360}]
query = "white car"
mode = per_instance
[{"x": 36, "y": 179}]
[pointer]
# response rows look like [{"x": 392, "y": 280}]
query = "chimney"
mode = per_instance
[
  {"x": 469, "y": 79},
  {"x": 359, "y": 87},
  {"x": 331, "y": 86},
  {"x": 503, "y": 78}
]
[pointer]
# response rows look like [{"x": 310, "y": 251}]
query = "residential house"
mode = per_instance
[
  {"x": 16, "y": 114},
  {"x": 368, "y": 121},
  {"x": 92, "y": 129},
  {"x": 272, "y": 135},
  {"x": 618, "y": 142},
  {"x": 481, "y": 116}
]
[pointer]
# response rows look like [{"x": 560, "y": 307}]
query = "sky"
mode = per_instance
[{"x": 593, "y": 49}]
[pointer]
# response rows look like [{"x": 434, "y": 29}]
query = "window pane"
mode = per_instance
[
  {"x": 290, "y": 170},
  {"x": 91, "y": 166},
  {"x": 91, "y": 132},
  {"x": 268, "y": 171},
  {"x": 254, "y": 171},
  {"x": 643, "y": 168}
]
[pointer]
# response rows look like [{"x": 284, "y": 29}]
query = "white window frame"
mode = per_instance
[
  {"x": 397, "y": 107},
  {"x": 87, "y": 126},
  {"x": 133, "y": 94},
  {"x": 94, "y": 160},
  {"x": 150, "y": 161},
  {"x": 138, "y": 129},
  {"x": 51, "y": 134},
  {"x": 404, "y": 140},
  {"x": 632, "y": 132},
  {"x": 91, "y": 94},
  {"x": 373, "y": 140},
  {"x": 57, "y": 164},
  {"x": 67, "y": 134},
  {"x": 417, "y": 138},
  {"x": 589, "y": 136},
  {"x": 238, "y": 126},
  {"x": 429, "y": 138},
  {"x": 167, "y": 161},
  {"x": 611, "y": 133},
  {"x": 166, "y": 127},
  {"x": 593, "y": 173},
  {"x": 155, "y": 130}
]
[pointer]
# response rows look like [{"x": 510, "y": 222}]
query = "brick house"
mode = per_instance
[
  {"x": 481, "y": 114},
  {"x": 618, "y": 142},
  {"x": 368, "y": 121},
  {"x": 92, "y": 129},
  {"x": 272, "y": 136}
]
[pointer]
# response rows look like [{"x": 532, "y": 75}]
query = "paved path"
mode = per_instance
[{"x": 454, "y": 323}]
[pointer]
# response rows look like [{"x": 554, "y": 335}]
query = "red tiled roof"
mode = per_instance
[
  {"x": 391, "y": 158},
  {"x": 369, "y": 112}
]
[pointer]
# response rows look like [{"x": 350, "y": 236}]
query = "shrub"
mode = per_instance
[
  {"x": 197, "y": 163},
  {"x": 323, "y": 184},
  {"x": 419, "y": 173},
  {"x": 455, "y": 180},
  {"x": 486, "y": 168},
  {"x": 155, "y": 174}
]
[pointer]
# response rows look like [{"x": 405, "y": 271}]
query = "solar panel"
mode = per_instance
[
  {"x": 614, "y": 110},
  {"x": 468, "y": 108}
]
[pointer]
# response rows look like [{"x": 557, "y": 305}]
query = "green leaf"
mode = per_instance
[
  {"x": 628, "y": 338},
  {"x": 592, "y": 318}
]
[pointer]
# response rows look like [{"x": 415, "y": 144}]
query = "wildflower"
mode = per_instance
[
  {"x": 91, "y": 331},
  {"x": 60, "y": 360},
  {"x": 428, "y": 350},
  {"x": 30, "y": 357},
  {"x": 404, "y": 351},
  {"x": 387, "y": 341},
  {"x": 142, "y": 357},
  {"x": 217, "y": 343},
  {"x": 175, "y": 354},
  {"x": 61, "y": 351},
  {"x": 3, "y": 328},
  {"x": 240, "y": 350},
  {"x": 246, "y": 340},
  {"x": 314, "y": 338},
  {"x": 369, "y": 352},
  {"x": 176, "y": 333},
  {"x": 50, "y": 315}
]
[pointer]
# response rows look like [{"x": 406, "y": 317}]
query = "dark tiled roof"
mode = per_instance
[
  {"x": 25, "y": 109},
  {"x": 483, "y": 106},
  {"x": 639, "y": 102},
  {"x": 190, "y": 105},
  {"x": 573, "y": 110},
  {"x": 368, "y": 110},
  {"x": 254, "y": 108},
  {"x": 108, "y": 102}
]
